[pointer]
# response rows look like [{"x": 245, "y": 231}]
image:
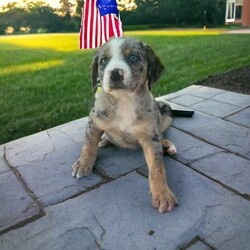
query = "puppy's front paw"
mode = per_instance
[
  {"x": 79, "y": 170},
  {"x": 164, "y": 200}
]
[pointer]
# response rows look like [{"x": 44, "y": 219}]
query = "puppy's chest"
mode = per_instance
[{"x": 125, "y": 116}]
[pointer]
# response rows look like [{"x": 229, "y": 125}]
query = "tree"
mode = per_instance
[
  {"x": 176, "y": 12},
  {"x": 145, "y": 13},
  {"x": 66, "y": 8},
  {"x": 14, "y": 17},
  {"x": 126, "y": 5},
  {"x": 79, "y": 6},
  {"x": 37, "y": 15},
  {"x": 44, "y": 18}
]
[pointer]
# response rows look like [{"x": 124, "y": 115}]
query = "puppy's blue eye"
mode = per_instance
[
  {"x": 104, "y": 60},
  {"x": 133, "y": 58}
]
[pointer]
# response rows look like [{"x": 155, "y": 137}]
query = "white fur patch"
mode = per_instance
[
  {"x": 116, "y": 61},
  {"x": 125, "y": 114}
]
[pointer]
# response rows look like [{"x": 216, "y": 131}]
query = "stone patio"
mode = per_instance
[{"x": 43, "y": 207}]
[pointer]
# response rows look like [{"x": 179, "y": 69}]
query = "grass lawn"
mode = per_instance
[{"x": 45, "y": 79}]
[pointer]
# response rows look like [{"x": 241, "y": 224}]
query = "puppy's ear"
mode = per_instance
[
  {"x": 155, "y": 66},
  {"x": 94, "y": 73}
]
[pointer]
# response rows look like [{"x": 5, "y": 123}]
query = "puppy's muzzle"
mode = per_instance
[
  {"x": 116, "y": 75},
  {"x": 116, "y": 79}
]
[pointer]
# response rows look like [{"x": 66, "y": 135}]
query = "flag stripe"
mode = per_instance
[
  {"x": 113, "y": 27},
  {"x": 106, "y": 27},
  {"x": 86, "y": 26},
  {"x": 96, "y": 29},
  {"x": 89, "y": 24},
  {"x": 99, "y": 31},
  {"x": 93, "y": 22}
]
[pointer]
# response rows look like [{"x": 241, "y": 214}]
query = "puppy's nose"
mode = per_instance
[{"x": 116, "y": 74}]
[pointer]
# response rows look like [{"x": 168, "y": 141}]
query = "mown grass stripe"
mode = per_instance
[{"x": 30, "y": 67}]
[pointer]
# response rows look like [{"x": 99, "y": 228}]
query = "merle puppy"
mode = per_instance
[{"x": 126, "y": 114}]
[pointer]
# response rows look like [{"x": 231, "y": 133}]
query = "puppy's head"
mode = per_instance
[{"x": 125, "y": 64}]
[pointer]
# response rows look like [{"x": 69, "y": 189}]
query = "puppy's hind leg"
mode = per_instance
[
  {"x": 168, "y": 147},
  {"x": 105, "y": 142}
]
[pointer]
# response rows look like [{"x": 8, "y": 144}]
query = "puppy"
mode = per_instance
[{"x": 126, "y": 114}]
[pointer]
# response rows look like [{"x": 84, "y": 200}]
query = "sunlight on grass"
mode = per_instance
[
  {"x": 186, "y": 32},
  {"x": 70, "y": 42},
  {"x": 30, "y": 67},
  {"x": 60, "y": 42}
]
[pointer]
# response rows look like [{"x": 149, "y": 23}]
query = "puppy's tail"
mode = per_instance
[
  {"x": 165, "y": 109},
  {"x": 166, "y": 115}
]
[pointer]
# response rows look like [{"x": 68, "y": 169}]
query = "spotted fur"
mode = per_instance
[{"x": 126, "y": 114}]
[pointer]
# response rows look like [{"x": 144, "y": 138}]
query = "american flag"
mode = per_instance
[{"x": 100, "y": 22}]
